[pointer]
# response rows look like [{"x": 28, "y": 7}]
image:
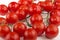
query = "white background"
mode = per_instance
[{"x": 6, "y": 2}]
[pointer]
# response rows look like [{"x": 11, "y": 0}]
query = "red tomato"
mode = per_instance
[
  {"x": 12, "y": 36},
  {"x": 4, "y": 30},
  {"x": 36, "y": 18},
  {"x": 3, "y": 9},
  {"x": 19, "y": 28},
  {"x": 55, "y": 12},
  {"x": 57, "y": 5},
  {"x": 24, "y": 7},
  {"x": 2, "y": 21},
  {"x": 51, "y": 31},
  {"x": 13, "y": 6},
  {"x": 34, "y": 9},
  {"x": 25, "y": 2},
  {"x": 39, "y": 27},
  {"x": 46, "y": 5},
  {"x": 30, "y": 34},
  {"x": 54, "y": 20},
  {"x": 11, "y": 18},
  {"x": 21, "y": 14},
  {"x": 57, "y": 0}
]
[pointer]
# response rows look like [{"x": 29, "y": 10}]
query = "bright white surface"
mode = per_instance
[{"x": 6, "y": 2}]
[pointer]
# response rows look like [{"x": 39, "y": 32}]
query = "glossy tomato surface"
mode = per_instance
[
  {"x": 39, "y": 27},
  {"x": 36, "y": 18},
  {"x": 11, "y": 18},
  {"x": 51, "y": 31},
  {"x": 3, "y": 9},
  {"x": 34, "y": 9},
  {"x": 19, "y": 28},
  {"x": 4, "y": 30},
  {"x": 13, "y": 6},
  {"x": 2, "y": 21},
  {"x": 12, "y": 36},
  {"x": 30, "y": 34}
]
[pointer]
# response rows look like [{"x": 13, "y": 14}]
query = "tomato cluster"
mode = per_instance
[{"x": 18, "y": 13}]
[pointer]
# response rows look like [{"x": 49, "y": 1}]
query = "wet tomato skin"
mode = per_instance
[
  {"x": 19, "y": 28},
  {"x": 11, "y": 18},
  {"x": 39, "y": 27},
  {"x": 13, "y": 6},
  {"x": 12, "y": 36},
  {"x": 3, "y": 9},
  {"x": 30, "y": 34},
  {"x": 4, "y": 30},
  {"x": 51, "y": 31}
]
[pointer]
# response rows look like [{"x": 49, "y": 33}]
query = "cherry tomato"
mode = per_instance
[
  {"x": 19, "y": 28},
  {"x": 12, "y": 36},
  {"x": 36, "y": 18},
  {"x": 13, "y": 6},
  {"x": 11, "y": 18},
  {"x": 55, "y": 12},
  {"x": 54, "y": 20},
  {"x": 39, "y": 27},
  {"x": 3, "y": 9},
  {"x": 25, "y": 2},
  {"x": 57, "y": 5},
  {"x": 34, "y": 9},
  {"x": 21, "y": 14},
  {"x": 2, "y": 21},
  {"x": 51, "y": 31},
  {"x": 24, "y": 7},
  {"x": 57, "y": 0},
  {"x": 30, "y": 34},
  {"x": 46, "y": 5},
  {"x": 4, "y": 30}
]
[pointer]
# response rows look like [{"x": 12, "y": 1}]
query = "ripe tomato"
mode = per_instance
[
  {"x": 55, "y": 12},
  {"x": 54, "y": 20},
  {"x": 46, "y": 5},
  {"x": 36, "y": 18},
  {"x": 3, "y": 9},
  {"x": 12, "y": 36},
  {"x": 30, "y": 34},
  {"x": 21, "y": 14},
  {"x": 19, "y": 28},
  {"x": 13, "y": 6},
  {"x": 34, "y": 9},
  {"x": 2, "y": 21},
  {"x": 24, "y": 7},
  {"x": 4, "y": 30},
  {"x": 57, "y": 5},
  {"x": 11, "y": 18},
  {"x": 51, "y": 31},
  {"x": 25, "y": 2},
  {"x": 39, "y": 27}
]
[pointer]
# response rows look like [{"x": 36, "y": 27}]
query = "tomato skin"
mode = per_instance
[
  {"x": 24, "y": 8},
  {"x": 30, "y": 34},
  {"x": 3, "y": 9},
  {"x": 13, "y": 6},
  {"x": 11, "y": 18},
  {"x": 55, "y": 12},
  {"x": 34, "y": 9},
  {"x": 36, "y": 18},
  {"x": 51, "y": 31},
  {"x": 46, "y": 5},
  {"x": 2, "y": 21},
  {"x": 12, "y": 36},
  {"x": 19, "y": 28},
  {"x": 21, "y": 14},
  {"x": 39, "y": 27},
  {"x": 25, "y": 2},
  {"x": 4, "y": 30},
  {"x": 54, "y": 20}
]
